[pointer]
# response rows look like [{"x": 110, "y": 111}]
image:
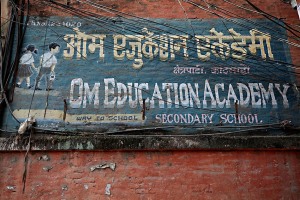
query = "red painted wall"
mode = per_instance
[{"x": 153, "y": 175}]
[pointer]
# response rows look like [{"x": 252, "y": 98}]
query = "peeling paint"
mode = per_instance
[
  {"x": 64, "y": 187},
  {"x": 44, "y": 158},
  {"x": 112, "y": 166},
  {"x": 47, "y": 169},
  {"x": 11, "y": 188},
  {"x": 107, "y": 189}
]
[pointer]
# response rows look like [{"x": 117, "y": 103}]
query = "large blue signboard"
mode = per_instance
[{"x": 77, "y": 74}]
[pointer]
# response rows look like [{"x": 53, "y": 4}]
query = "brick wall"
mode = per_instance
[{"x": 152, "y": 175}]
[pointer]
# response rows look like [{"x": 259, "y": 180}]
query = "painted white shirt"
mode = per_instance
[
  {"x": 48, "y": 59},
  {"x": 27, "y": 59}
]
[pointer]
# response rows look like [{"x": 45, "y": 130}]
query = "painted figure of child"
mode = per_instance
[
  {"x": 25, "y": 65},
  {"x": 48, "y": 62}
]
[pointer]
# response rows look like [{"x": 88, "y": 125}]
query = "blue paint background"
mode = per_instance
[{"x": 154, "y": 71}]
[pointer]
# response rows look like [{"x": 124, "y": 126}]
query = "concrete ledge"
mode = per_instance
[{"x": 153, "y": 142}]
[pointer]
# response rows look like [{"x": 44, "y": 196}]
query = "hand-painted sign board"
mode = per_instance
[{"x": 128, "y": 73}]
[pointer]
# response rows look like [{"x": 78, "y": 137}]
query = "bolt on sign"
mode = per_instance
[{"x": 154, "y": 74}]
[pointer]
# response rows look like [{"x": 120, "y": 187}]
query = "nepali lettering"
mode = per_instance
[
  {"x": 237, "y": 49},
  {"x": 168, "y": 47},
  {"x": 178, "y": 70},
  {"x": 77, "y": 44},
  {"x": 190, "y": 70}
]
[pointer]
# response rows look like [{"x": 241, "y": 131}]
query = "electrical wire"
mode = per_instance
[
  {"x": 106, "y": 22},
  {"x": 186, "y": 16},
  {"x": 268, "y": 16},
  {"x": 279, "y": 69},
  {"x": 289, "y": 63},
  {"x": 21, "y": 33},
  {"x": 99, "y": 6},
  {"x": 238, "y": 23},
  {"x": 3, "y": 92},
  {"x": 214, "y": 110},
  {"x": 35, "y": 85},
  {"x": 222, "y": 22},
  {"x": 105, "y": 8},
  {"x": 214, "y": 130},
  {"x": 279, "y": 62}
]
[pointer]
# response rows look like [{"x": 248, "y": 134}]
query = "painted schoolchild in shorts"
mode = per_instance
[
  {"x": 25, "y": 66},
  {"x": 48, "y": 62}
]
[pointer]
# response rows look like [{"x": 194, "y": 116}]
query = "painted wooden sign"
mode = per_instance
[{"x": 127, "y": 73}]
